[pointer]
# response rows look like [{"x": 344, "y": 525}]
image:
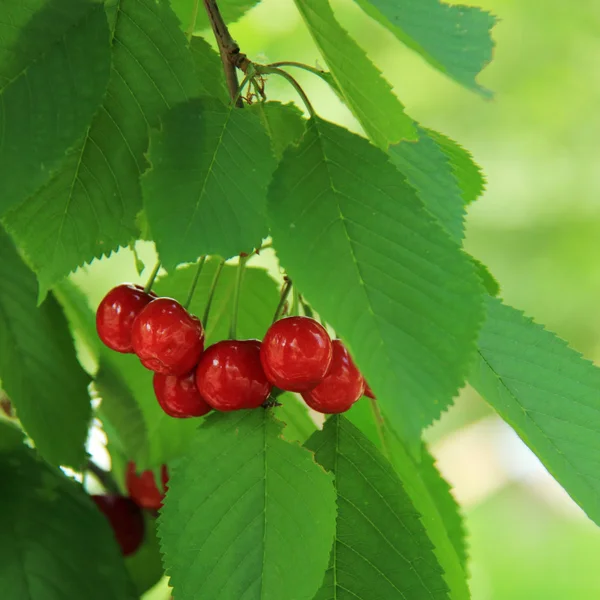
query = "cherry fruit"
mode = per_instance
[
  {"x": 125, "y": 518},
  {"x": 178, "y": 395},
  {"x": 230, "y": 376},
  {"x": 166, "y": 338},
  {"x": 296, "y": 353},
  {"x": 342, "y": 387},
  {"x": 142, "y": 487},
  {"x": 116, "y": 314}
]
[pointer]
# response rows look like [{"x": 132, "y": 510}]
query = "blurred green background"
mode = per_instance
[{"x": 538, "y": 229}]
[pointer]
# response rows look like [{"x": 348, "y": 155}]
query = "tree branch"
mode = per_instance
[{"x": 228, "y": 48}]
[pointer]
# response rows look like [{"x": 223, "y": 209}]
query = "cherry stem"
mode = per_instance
[
  {"x": 380, "y": 425},
  {"x": 236, "y": 297},
  {"x": 104, "y": 477},
  {"x": 285, "y": 291},
  {"x": 152, "y": 277},
  {"x": 211, "y": 292},
  {"x": 195, "y": 282},
  {"x": 296, "y": 302},
  {"x": 266, "y": 69}
]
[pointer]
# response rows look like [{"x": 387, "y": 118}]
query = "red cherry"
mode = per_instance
[
  {"x": 125, "y": 518},
  {"x": 230, "y": 377},
  {"x": 342, "y": 387},
  {"x": 178, "y": 396},
  {"x": 167, "y": 338},
  {"x": 142, "y": 487},
  {"x": 116, "y": 313},
  {"x": 369, "y": 392},
  {"x": 296, "y": 353}
]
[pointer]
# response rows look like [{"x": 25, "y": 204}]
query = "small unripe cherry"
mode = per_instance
[
  {"x": 117, "y": 312},
  {"x": 296, "y": 353},
  {"x": 229, "y": 375},
  {"x": 142, "y": 487},
  {"x": 178, "y": 395},
  {"x": 166, "y": 338},
  {"x": 125, "y": 518},
  {"x": 342, "y": 387}
]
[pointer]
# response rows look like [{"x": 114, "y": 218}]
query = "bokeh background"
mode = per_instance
[{"x": 538, "y": 229}]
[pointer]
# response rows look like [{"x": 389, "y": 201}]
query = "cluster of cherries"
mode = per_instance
[
  {"x": 296, "y": 355},
  {"x": 125, "y": 513}
]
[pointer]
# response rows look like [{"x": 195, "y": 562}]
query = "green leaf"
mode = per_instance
[
  {"x": 38, "y": 367},
  {"x": 89, "y": 207},
  {"x": 283, "y": 123},
  {"x": 489, "y": 282},
  {"x": 213, "y": 163},
  {"x": 11, "y": 437},
  {"x": 247, "y": 514},
  {"x": 209, "y": 69},
  {"x": 467, "y": 172},
  {"x": 54, "y": 543},
  {"x": 454, "y": 39},
  {"x": 381, "y": 549},
  {"x": 299, "y": 425},
  {"x": 548, "y": 393},
  {"x": 54, "y": 68},
  {"x": 140, "y": 428},
  {"x": 145, "y": 566},
  {"x": 368, "y": 95},
  {"x": 259, "y": 292},
  {"x": 193, "y": 16},
  {"x": 428, "y": 170},
  {"x": 354, "y": 237}
]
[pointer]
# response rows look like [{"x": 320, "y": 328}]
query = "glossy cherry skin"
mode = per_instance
[
  {"x": 229, "y": 375},
  {"x": 142, "y": 488},
  {"x": 116, "y": 314},
  {"x": 166, "y": 338},
  {"x": 178, "y": 395},
  {"x": 342, "y": 387},
  {"x": 125, "y": 518},
  {"x": 296, "y": 353}
]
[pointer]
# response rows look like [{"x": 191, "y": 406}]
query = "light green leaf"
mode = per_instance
[
  {"x": 259, "y": 292},
  {"x": 54, "y": 68},
  {"x": 381, "y": 550},
  {"x": 192, "y": 13},
  {"x": 353, "y": 236},
  {"x": 213, "y": 163},
  {"x": 283, "y": 123},
  {"x": 368, "y": 95},
  {"x": 54, "y": 543},
  {"x": 467, "y": 172},
  {"x": 454, "y": 39},
  {"x": 299, "y": 425},
  {"x": 38, "y": 367},
  {"x": 548, "y": 393},
  {"x": 427, "y": 169},
  {"x": 89, "y": 207},
  {"x": 247, "y": 514},
  {"x": 209, "y": 69},
  {"x": 429, "y": 493}
]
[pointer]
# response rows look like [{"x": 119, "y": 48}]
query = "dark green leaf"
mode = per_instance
[
  {"x": 283, "y": 123},
  {"x": 548, "y": 393},
  {"x": 11, "y": 436},
  {"x": 206, "y": 190},
  {"x": 352, "y": 234},
  {"x": 247, "y": 514},
  {"x": 145, "y": 566},
  {"x": 381, "y": 550},
  {"x": 368, "y": 95},
  {"x": 428, "y": 170},
  {"x": 467, "y": 172},
  {"x": 38, "y": 367},
  {"x": 54, "y": 543},
  {"x": 454, "y": 39},
  {"x": 209, "y": 69},
  {"x": 89, "y": 207},
  {"x": 492, "y": 287},
  {"x": 54, "y": 68}
]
